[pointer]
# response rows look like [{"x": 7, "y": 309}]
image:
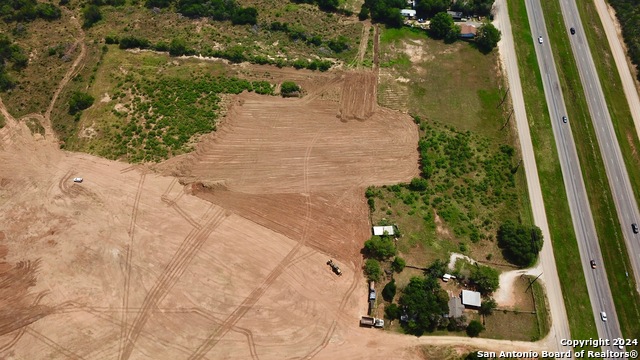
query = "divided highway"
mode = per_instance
[
  {"x": 615, "y": 168},
  {"x": 589, "y": 248}
]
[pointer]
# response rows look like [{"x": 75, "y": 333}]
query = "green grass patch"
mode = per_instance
[
  {"x": 155, "y": 107},
  {"x": 605, "y": 216},
  {"x": 565, "y": 247}
]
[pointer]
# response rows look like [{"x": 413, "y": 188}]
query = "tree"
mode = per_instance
[
  {"x": 457, "y": 324},
  {"x": 79, "y": 101},
  {"x": 485, "y": 278},
  {"x": 488, "y": 37},
  {"x": 474, "y": 328},
  {"x": 339, "y": 44},
  {"x": 437, "y": 269},
  {"x": 244, "y": 16},
  {"x": 363, "y": 14},
  {"x": 429, "y": 8},
  {"x": 372, "y": 270},
  {"x": 425, "y": 302},
  {"x": 157, "y": 3},
  {"x": 289, "y": 88},
  {"x": 380, "y": 247},
  {"x": 389, "y": 291},
  {"x": 91, "y": 15},
  {"x": 443, "y": 27},
  {"x": 487, "y": 306},
  {"x": 520, "y": 244},
  {"x": 392, "y": 311},
  {"x": 398, "y": 264}
]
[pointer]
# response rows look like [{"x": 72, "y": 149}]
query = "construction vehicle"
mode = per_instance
[
  {"x": 371, "y": 321},
  {"x": 334, "y": 267}
]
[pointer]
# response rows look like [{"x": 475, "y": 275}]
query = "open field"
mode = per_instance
[
  {"x": 605, "y": 216},
  {"x": 129, "y": 263},
  {"x": 563, "y": 239},
  {"x": 472, "y": 187}
]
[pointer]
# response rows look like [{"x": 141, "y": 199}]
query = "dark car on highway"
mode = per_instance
[
  {"x": 573, "y": 31},
  {"x": 593, "y": 264},
  {"x": 634, "y": 226},
  {"x": 564, "y": 119}
]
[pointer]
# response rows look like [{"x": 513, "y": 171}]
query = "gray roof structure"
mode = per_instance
[{"x": 455, "y": 307}]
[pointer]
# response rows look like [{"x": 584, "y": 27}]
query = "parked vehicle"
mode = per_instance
[
  {"x": 77, "y": 180},
  {"x": 371, "y": 321},
  {"x": 334, "y": 267}
]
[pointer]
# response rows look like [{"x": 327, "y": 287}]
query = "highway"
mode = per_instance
[
  {"x": 623, "y": 196},
  {"x": 589, "y": 248}
]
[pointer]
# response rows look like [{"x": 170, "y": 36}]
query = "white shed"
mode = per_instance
[
  {"x": 380, "y": 230},
  {"x": 408, "y": 13}
]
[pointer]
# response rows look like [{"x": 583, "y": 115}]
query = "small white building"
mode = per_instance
[
  {"x": 383, "y": 230},
  {"x": 408, "y": 13},
  {"x": 471, "y": 298}
]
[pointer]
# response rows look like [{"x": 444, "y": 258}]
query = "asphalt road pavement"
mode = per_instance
[
  {"x": 615, "y": 168},
  {"x": 588, "y": 245}
]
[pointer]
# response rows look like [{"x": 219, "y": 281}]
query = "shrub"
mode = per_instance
[
  {"x": 131, "y": 42},
  {"x": 474, "y": 328},
  {"x": 339, "y": 44},
  {"x": 398, "y": 264},
  {"x": 91, "y": 15},
  {"x": 392, "y": 311},
  {"x": 487, "y": 306},
  {"x": 48, "y": 11},
  {"x": 372, "y": 270},
  {"x": 244, "y": 16},
  {"x": 289, "y": 88},
  {"x": 363, "y": 14},
  {"x": 418, "y": 184},
  {"x": 79, "y": 101},
  {"x": 389, "y": 290},
  {"x": 178, "y": 47}
]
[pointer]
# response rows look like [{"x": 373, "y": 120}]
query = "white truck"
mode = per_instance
[{"x": 371, "y": 321}]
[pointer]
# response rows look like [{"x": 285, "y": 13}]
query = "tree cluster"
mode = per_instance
[
  {"x": 473, "y": 7},
  {"x": 294, "y": 32},
  {"x": 628, "y": 14},
  {"x": 380, "y": 247},
  {"x": 386, "y": 11},
  {"x": 91, "y": 15},
  {"x": 520, "y": 244},
  {"x": 215, "y": 9},
  {"x": 429, "y": 8},
  {"x": 28, "y": 10},
  {"x": 486, "y": 279},
  {"x": 372, "y": 270},
  {"x": 324, "y": 5},
  {"x": 10, "y": 53},
  {"x": 425, "y": 302}
]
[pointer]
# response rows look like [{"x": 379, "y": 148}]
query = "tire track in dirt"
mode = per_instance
[
  {"x": 127, "y": 271},
  {"x": 64, "y": 181},
  {"x": 173, "y": 204},
  {"x": 325, "y": 341},
  {"x": 248, "y": 303},
  {"x": 364, "y": 42},
  {"x": 22, "y": 330},
  {"x": 59, "y": 348},
  {"x": 173, "y": 271}
]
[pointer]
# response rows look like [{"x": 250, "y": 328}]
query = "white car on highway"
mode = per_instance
[{"x": 539, "y": 39}]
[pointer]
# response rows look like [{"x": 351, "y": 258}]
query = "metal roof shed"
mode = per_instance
[
  {"x": 471, "y": 298},
  {"x": 380, "y": 230}
]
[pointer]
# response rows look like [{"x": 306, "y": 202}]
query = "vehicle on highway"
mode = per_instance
[
  {"x": 77, "y": 180},
  {"x": 593, "y": 264},
  {"x": 564, "y": 119},
  {"x": 603, "y": 316},
  {"x": 634, "y": 227},
  {"x": 573, "y": 31},
  {"x": 539, "y": 39}
]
